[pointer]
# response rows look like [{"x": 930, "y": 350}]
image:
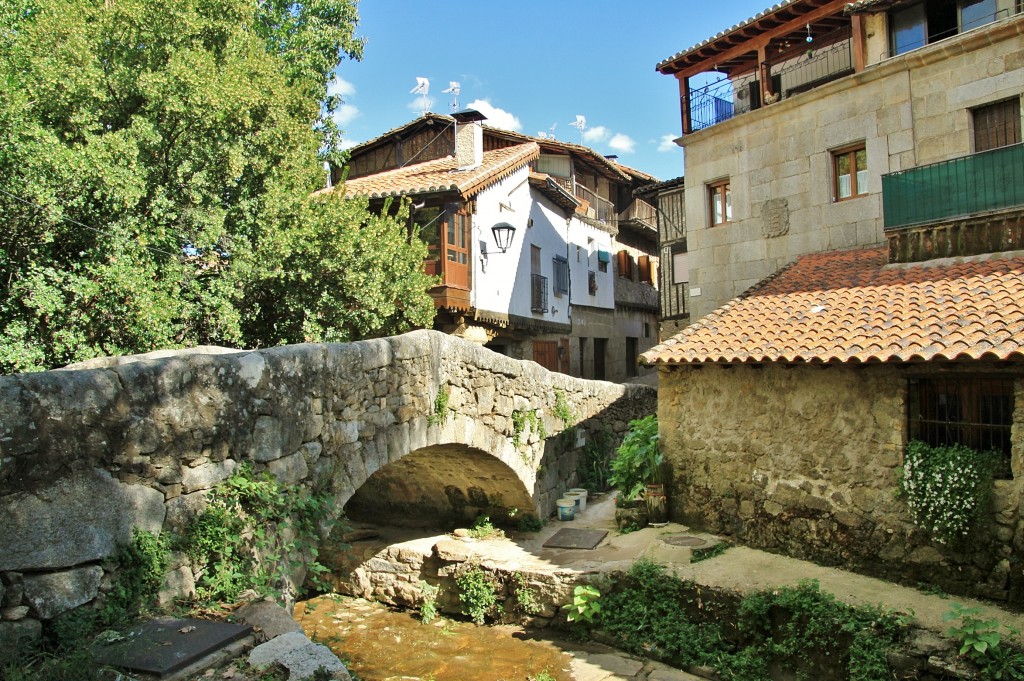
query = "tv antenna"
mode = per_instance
[
  {"x": 453, "y": 89},
  {"x": 422, "y": 89},
  {"x": 580, "y": 124}
]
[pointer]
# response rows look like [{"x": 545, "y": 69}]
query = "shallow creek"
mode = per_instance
[{"x": 379, "y": 644}]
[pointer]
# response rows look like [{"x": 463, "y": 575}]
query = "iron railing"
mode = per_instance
[
  {"x": 986, "y": 181},
  {"x": 538, "y": 293},
  {"x": 792, "y": 72}
]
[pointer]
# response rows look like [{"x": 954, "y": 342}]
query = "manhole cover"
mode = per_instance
[
  {"x": 684, "y": 540},
  {"x": 571, "y": 538}
]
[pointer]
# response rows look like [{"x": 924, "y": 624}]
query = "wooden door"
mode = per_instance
[{"x": 545, "y": 353}]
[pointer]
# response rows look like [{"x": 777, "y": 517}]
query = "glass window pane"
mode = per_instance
[
  {"x": 716, "y": 200},
  {"x": 862, "y": 182},
  {"x": 908, "y": 29},
  {"x": 844, "y": 188},
  {"x": 862, "y": 159},
  {"x": 728, "y": 204},
  {"x": 974, "y": 13}
]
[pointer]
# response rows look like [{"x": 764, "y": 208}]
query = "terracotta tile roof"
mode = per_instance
[
  {"x": 440, "y": 175},
  {"x": 850, "y": 306}
]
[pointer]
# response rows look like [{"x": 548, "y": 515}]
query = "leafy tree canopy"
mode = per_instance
[{"x": 157, "y": 160}]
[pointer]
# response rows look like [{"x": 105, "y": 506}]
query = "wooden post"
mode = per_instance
[
  {"x": 857, "y": 38},
  {"x": 684, "y": 104}
]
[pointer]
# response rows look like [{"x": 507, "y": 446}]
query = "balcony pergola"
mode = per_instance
[{"x": 750, "y": 50}]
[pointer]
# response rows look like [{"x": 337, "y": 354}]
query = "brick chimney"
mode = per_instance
[{"x": 469, "y": 139}]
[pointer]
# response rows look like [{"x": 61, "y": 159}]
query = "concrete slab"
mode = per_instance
[{"x": 165, "y": 646}]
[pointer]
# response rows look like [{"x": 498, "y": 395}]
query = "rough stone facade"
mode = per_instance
[
  {"x": 87, "y": 455},
  {"x": 806, "y": 461}
]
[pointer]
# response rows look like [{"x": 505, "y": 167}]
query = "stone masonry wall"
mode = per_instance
[
  {"x": 88, "y": 454},
  {"x": 806, "y": 461}
]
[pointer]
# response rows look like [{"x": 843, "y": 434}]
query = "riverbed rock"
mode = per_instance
[
  {"x": 300, "y": 656},
  {"x": 269, "y": 618}
]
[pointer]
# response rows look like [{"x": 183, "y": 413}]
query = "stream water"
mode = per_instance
[{"x": 379, "y": 644}]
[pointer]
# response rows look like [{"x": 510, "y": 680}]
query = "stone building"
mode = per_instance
[
  {"x": 855, "y": 217},
  {"x": 574, "y": 285}
]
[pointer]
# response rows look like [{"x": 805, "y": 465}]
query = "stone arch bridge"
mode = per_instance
[{"x": 422, "y": 426}]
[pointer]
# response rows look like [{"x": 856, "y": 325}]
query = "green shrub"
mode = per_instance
[
  {"x": 253, "y": 533},
  {"x": 639, "y": 460},
  {"x": 477, "y": 593}
]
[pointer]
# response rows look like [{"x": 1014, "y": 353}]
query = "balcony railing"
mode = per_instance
[
  {"x": 598, "y": 208},
  {"x": 986, "y": 181},
  {"x": 640, "y": 211},
  {"x": 796, "y": 70},
  {"x": 538, "y": 293}
]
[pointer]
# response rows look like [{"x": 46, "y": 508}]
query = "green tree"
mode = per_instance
[{"x": 156, "y": 156}]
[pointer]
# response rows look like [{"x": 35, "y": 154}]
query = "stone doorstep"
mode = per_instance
[{"x": 214, "y": 659}]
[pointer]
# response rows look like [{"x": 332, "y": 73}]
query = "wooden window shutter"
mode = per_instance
[
  {"x": 625, "y": 264},
  {"x": 644, "y": 263}
]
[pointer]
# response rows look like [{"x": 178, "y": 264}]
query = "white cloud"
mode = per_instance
[
  {"x": 622, "y": 143},
  {"x": 345, "y": 114},
  {"x": 598, "y": 133},
  {"x": 421, "y": 103},
  {"x": 667, "y": 143},
  {"x": 340, "y": 87},
  {"x": 344, "y": 143},
  {"x": 496, "y": 118}
]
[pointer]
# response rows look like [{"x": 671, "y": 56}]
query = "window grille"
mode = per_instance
[
  {"x": 976, "y": 412},
  {"x": 538, "y": 293}
]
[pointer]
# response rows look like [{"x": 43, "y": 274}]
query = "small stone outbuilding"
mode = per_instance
[{"x": 785, "y": 413}]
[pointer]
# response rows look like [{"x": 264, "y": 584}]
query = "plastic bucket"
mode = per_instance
[
  {"x": 581, "y": 501},
  {"x": 582, "y": 493},
  {"x": 566, "y": 509}
]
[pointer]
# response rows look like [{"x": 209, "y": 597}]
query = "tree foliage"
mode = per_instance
[{"x": 157, "y": 160}]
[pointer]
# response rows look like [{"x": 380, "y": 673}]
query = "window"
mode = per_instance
[
  {"x": 996, "y": 125},
  {"x": 603, "y": 258},
  {"x": 558, "y": 166},
  {"x": 625, "y": 264},
  {"x": 560, "y": 267},
  {"x": 973, "y": 411},
  {"x": 850, "y": 171},
  {"x": 720, "y": 199},
  {"x": 592, "y": 282},
  {"x": 680, "y": 268},
  {"x": 922, "y": 23}
]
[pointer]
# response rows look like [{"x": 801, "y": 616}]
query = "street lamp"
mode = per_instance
[{"x": 503, "y": 234}]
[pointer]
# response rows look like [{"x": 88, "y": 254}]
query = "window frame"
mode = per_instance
[
  {"x": 850, "y": 151},
  {"x": 723, "y": 189},
  {"x": 560, "y": 275}
]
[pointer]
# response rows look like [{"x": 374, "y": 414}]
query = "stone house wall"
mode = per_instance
[
  {"x": 87, "y": 455},
  {"x": 908, "y": 111},
  {"x": 806, "y": 461}
]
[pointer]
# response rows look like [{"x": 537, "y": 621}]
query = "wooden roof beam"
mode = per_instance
[{"x": 830, "y": 8}]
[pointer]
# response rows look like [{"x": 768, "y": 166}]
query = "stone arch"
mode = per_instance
[{"x": 440, "y": 486}]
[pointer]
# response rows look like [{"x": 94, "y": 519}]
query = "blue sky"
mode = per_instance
[{"x": 530, "y": 65}]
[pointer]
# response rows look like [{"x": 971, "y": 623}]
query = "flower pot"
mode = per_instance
[
  {"x": 631, "y": 516},
  {"x": 657, "y": 508}
]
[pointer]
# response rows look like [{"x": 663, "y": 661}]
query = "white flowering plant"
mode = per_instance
[{"x": 947, "y": 488}]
